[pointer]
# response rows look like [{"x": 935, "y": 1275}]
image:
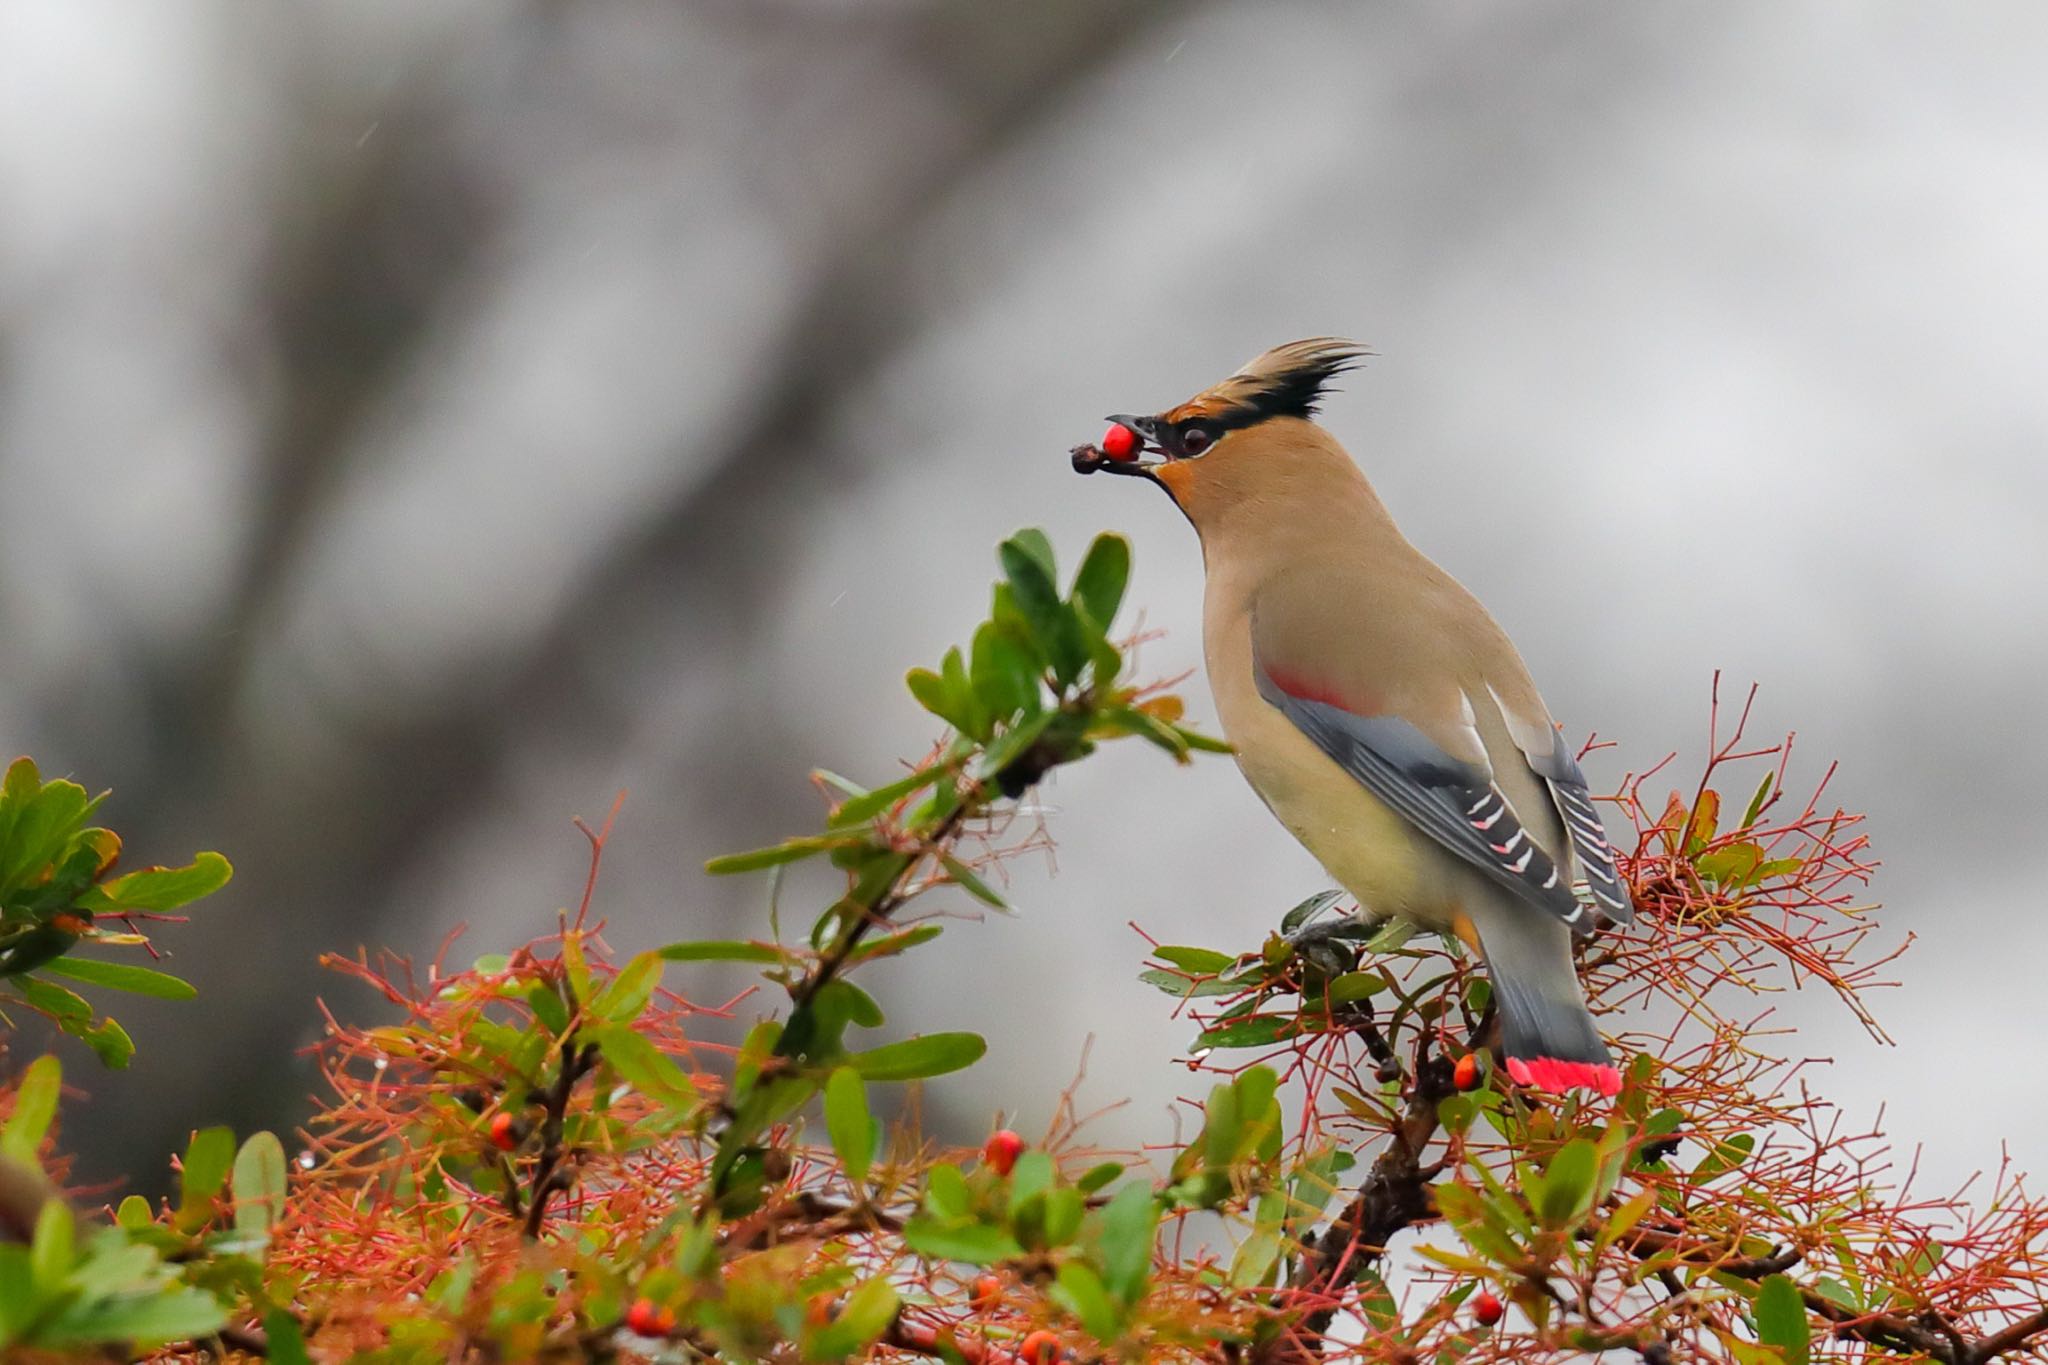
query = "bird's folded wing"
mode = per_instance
[
  {"x": 1453, "y": 800},
  {"x": 1551, "y": 759}
]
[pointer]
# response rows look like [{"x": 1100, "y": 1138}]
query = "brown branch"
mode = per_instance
[
  {"x": 1395, "y": 1195},
  {"x": 2006, "y": 1338}
]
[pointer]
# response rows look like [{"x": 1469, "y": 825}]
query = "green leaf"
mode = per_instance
[
  {"x": 1355, "y": 986},
  {"x": 35, "y": 1105},
  {"x": 848, "y": 1121},
  {"x": 1100, "y": 581},
  {"x": 53, "y": 1248},
  {"x": 1726, "y": 1156},
  {"x": 973, "y": 717},
  {"x": 161, "y": 888},
  {"x": 1308, "y": 910},
  {"x": 1756, "y": 803},
  {"x": 203, "y": 1174},
  {"x": 711, "y": 950},
  {"x": 645, "y": 1067},
  {"x": 1781, "y": 1319},
  {"x": 1080, "y": 1291},
  {"x": 1259, "y": 1031},
  {"x": 1099, "y": 1177},
  {"x": 627, "y": 994},
  {"x": 895, "y": 943},
  {"x": 865, "y": 1315},
  {"x": 945, "y": 1192},
  {"x": 1173, "y": 983},
  {"x": 965, "y": 878},
  {"x": 174, "y": 1315},
  {"x": 122, "y": 976},
  {"x": 1038, "y": 546},
  {"x": 134, "y": 1213},
  {"x": 859, "y": 809},
  {"x": 788, "y": 851},
  {"x": 1196, "y": 961},
  {"x": 974, "y": 1243},
  {"x": 1004, "y": 669},
  {"x": 935, "y": 1054},
  {"x": 1049, "y": 619},
  {"x": 287, "y": 1344},
  {"x": 259, "y": 1185},
  {"x": 1567, "y": 1192},
  {"x": 1129, "y": 1223},
  {"x": 110, "y": 1043}
]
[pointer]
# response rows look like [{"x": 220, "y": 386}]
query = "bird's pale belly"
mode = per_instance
[{"x": 1365, "y": 845}]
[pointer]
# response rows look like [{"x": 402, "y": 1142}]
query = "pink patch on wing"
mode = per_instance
[
  {"x": 1556, "y": 1075},
  {"x": 1295, "y": 685}
]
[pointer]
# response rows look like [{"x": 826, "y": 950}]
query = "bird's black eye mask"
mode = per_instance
[{"x": 1188, "y": 439}]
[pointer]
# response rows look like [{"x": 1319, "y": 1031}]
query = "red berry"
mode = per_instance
[
  {"x": 649, "y": 1319},
  {"x": 1120, "y": 442},
  {"x": 1002, "y": 1151},
  {"x": 1040, "y": 1348},
  {"x": 505, "y": 1132},
  {"x": 1469, "y": 1075},
  {"x": 987, "y": 1291},
  {"x": 1486, "y": 1308}
]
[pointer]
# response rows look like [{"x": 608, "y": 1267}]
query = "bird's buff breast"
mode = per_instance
[{"x": 1366, "y": 846}]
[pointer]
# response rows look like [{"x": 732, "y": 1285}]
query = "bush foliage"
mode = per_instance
[{"x": 551, "y": 1154}]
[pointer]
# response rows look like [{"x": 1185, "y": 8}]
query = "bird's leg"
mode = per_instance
[{"x": 1351, "y": 929}]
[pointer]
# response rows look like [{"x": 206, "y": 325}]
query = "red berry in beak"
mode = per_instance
[
  {"x": 1002, "y": 1151},
  {"x": 1486, "y": 1308},
  {"x": 1468, "y": 1075},
  {"x": 1120, "y": 442}
]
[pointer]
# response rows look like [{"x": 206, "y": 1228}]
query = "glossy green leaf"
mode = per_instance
[
  {"x": 974, "y": 1243},
  {"x": 1567, "y": 1192},
  {"x": 1081, "y": 1292},
  {"x": 1196, "y": 961},
  {"x": 788, "y": 851},
  {"x": 121, "y": 976},
  {"x": 644, "y": 1066},
  {"x": 35, "y": 1105},
  {"x": 859, "y": 809},
  {"x": 1100, "y": 581},
  {"x": 203, "y": 1174},
  {"x": 162, "y": 888},
  {"x": 711, "y": 950},
  {"x": 969, "y": 881},
  {"x": 935, "y": 1054},
  {"x": 259, "y": 1185},
  {"x": 1129, "y": 1224},
  {"x": 1781, "y": 1319},
  {"x": 626, "y": 994},
  {"x": 848, "y": 1121},
  {"x": 1259, "y": 1031}
]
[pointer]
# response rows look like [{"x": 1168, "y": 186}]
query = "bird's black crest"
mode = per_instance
[{"x": 1287, "y": 381}]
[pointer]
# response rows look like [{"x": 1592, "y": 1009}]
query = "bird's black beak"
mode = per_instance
[{"x": 1148, "y": 457}]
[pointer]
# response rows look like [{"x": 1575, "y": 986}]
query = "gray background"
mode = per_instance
[{"x": 418, "y": 422}]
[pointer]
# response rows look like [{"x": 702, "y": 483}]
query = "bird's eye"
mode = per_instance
[{"x": 1194, "y": 440}]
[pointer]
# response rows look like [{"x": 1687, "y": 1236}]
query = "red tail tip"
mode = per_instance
[{"x": 1557, "y": 1075}]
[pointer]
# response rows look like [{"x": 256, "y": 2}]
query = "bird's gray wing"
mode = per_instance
[
  {"x": 1582, "y": 824},
  {"x": 1456, "y": 803}
]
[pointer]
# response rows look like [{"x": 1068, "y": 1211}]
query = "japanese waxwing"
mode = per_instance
[{"x": 1376, "y": 707}]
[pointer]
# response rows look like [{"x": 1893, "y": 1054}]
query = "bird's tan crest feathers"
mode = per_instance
[{"x": 1287, "y": 381}]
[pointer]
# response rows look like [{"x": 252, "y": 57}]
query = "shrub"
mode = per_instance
[{"x": 554, "y": 1155}]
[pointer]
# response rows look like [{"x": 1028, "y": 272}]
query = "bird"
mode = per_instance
[{"x": 1376, "y": 707}]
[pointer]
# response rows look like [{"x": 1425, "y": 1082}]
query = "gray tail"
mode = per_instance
[{"x": 1549, "y": 1037}]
